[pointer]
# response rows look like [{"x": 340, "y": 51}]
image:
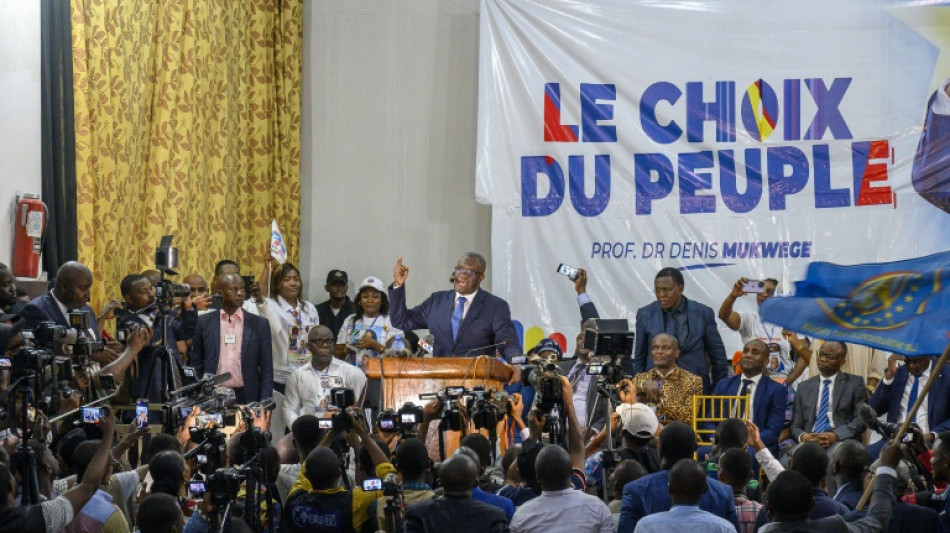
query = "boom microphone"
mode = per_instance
[
  {"x": 208, "y": 378},
  {"x": 868, "y": 417}
]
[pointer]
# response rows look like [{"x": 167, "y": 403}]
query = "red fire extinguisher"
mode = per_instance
[{"x": 31, "y": 218}]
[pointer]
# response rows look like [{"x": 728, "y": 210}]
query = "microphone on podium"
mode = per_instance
[{"x": 480, "y": 348}]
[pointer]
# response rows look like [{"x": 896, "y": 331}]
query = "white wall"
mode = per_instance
[
  {"x": 20, "y": 113},
  {"x": 390, "y": 96}
]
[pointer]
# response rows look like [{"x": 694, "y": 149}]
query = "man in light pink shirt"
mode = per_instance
[{"x": 236, "y": 342}]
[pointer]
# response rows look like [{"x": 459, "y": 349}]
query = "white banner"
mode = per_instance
[{"x": 727, "y": 139}]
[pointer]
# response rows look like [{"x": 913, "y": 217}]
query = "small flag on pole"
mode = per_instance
[{"x": 277, "y": 249}]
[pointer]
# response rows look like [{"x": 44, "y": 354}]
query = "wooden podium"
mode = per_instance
[{"x": 403, "y": 380}]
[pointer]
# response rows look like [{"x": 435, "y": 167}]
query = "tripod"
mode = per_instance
[
  {"x": 606, "y": 391},
  {"x": 23, "y": 457}
]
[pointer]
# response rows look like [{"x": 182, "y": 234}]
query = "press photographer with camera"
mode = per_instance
[
  {"x": 455, "y": 510},
  {"x": 71, "y": 293},
  {"x": 317, "y": 499},
  {"x": 53, "y": 515},
  {"x": 142, "y": 309}
]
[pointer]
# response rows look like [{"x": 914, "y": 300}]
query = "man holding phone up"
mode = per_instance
[{"x": 785, "y": 347}]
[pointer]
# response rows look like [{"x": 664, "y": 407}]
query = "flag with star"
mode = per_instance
[{"x": 901, "y": 306}]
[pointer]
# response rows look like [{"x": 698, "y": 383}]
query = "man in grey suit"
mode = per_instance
[
  {"x": 789, "y": 499},
  {"x": 826, "y": 406}
]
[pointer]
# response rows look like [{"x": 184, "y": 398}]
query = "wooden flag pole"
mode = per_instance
[{"x": 911, "y": 415}]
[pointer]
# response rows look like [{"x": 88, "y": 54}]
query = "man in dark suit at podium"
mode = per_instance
[{"x": 466, "y": 321}]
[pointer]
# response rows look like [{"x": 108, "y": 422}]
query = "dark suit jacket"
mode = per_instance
[
  {"x": 649, "y": 495},
  {"x": 824, "y": 507},
  {"x": 769, "y": 406},
  {"x": 849, "y": 393},
  {"x": 850, "y": 494},
  {"x": 887, "y": 398},
  {"x": 906, "y": 518},
  {"x": 487, "y": 322},
  {"x": 257, "y": 364},
  {"x": 44, "y": 309},
  {"x": 459, "y": 515},
  {"x": 149, "y": 383},
  {"x": 596, "y": 419},
  {"x": 882, "y": 501},
  {"x": 703, "y": 341}
]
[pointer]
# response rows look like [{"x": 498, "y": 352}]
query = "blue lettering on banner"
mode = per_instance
[
  {"x": 736, "y": 179},
  {"x": 698, "y": 250}
]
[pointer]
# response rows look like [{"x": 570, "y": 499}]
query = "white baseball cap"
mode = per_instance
[
  {"x": 638, "y": 419},
  {"x": 375, "y": 283}
]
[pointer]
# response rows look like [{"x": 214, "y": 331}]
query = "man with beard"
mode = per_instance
[
  {"x": 9, "y": 304},
  {"x": 310, "y": 384}
]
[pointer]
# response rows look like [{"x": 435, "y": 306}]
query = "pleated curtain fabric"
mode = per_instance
[{"x": 187, "y": 117}]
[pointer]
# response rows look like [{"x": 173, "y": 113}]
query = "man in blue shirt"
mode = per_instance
[
  {"x": 649, "y": 494},
  {"x": 688, "y": 483}
]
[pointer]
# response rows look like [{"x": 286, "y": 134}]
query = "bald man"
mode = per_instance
[
  {"x": 767, "y": 397},
  {"x": 456, "y": 511},
  {"x": 71, "y": 293},
  {"x": 667, "y": 385}
]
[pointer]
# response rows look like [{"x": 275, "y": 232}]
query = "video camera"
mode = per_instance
[
  {"x": 546, "y": 379},
  {"x": 487, "y": 407},
  {"x": 609, "y": 341},
  {"x": 166, "y": 261},
  {"x": 203, "y": 395},
  {"x": 451, "y": 413},
  {"x": 403, "y": 421}
]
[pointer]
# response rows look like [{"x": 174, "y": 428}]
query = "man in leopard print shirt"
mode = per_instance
[{"x": 666, "y": 385}]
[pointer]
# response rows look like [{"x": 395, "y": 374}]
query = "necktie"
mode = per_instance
[
  {"x": 913, "y": 394},
  {"x": 821, "y": 422},
  {"x": 746, "y": 383},
  {"x": 457, "y": 317}
]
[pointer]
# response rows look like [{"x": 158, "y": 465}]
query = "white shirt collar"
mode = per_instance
[
  {"x": 62, "y": 307},
  {"x": 286, "y": 305},
  {"x": 755, "y": 380},
  {"x": 469, "y": 298},
  {"x": 833, "y": 377}
]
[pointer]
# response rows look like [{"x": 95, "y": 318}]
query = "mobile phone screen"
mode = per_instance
[
  {"x": 196, "y": 487},
  {"x": 373, "y": 484},
  {"x": 141, "y": 414},
  {"x": 90, "y": 415},
  {"x": 202, "y": 459},
  {"x": 326, "y": 423}
]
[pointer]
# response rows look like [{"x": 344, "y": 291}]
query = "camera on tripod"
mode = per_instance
[
  {"x": 609, "y": 341},
  {"x": 487, "y": 407},
  {"x": 451, "y": 413},
  {"x": 83, "y": 346},
  {"x": 166, "y": 261}
]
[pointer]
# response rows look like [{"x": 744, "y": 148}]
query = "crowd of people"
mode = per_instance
[{"x": 795, "y": 455}]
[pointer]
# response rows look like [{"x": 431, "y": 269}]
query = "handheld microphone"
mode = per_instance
[
  {"x": 426, "y": 343},
  {"x": 480, "y": 348},
  {"x": 868, "y": 417},
  {"x": 452, "y": 278},
  {"x": 208, "y": 378}
]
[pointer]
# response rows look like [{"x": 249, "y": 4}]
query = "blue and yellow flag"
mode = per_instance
[{"x": 901, "y": 306}]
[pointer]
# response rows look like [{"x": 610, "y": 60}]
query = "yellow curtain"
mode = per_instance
[{"x": 187, "y": 123}]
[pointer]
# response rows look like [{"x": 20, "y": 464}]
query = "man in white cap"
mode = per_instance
[{"x": 637, "y": 424}]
